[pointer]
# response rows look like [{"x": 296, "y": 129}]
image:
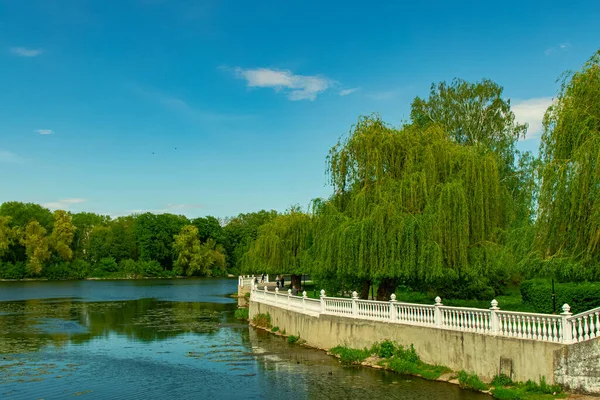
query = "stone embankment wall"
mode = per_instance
[{"x": 576, "y": 366}]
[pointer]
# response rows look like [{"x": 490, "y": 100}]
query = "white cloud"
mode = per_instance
[
  {"x": 561, "y": 47},
  {"x": 531, "y": 112},
  {"x": 64, "y": 204},
  {"x": 44, "y": 131},
  {"x": 346, "y": 92},
  {"x": 8, "y": 157},
  {"x": 298, "y": 87},
  {"x": 25, "y": 52}
]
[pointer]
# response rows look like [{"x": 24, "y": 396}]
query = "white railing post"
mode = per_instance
[
  {"x": 304, "y": 301},
  {"x": 494, "y": 321},
  {"x": 438, "y": 317},
  {"x": 288, "y": 298},
  {"x": 322, "y": 297},
  {"x": 265, "y": 293},
  {"x": 276, "y": 293},
  {"x": 566, "y": 329},
  {"x": 354, "y": 305},
  {"x": 267, "y": 278},
  {"x": 393, "y": 312}
]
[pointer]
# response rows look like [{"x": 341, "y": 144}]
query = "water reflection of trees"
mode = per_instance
[{"x": 28, "y": 325}]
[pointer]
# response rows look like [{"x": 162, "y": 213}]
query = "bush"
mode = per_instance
[
  {"x": 241, "y": 314},
  {"x": 386, "y": 349},
  {"x": 129, "y": 266},
  {"x": 350, "y": 356},
  {"x": 293, "y": 339},
  {"x": 275, "y": 329},
  {"x": 580, "y": 296},
  {"x": 58, "y": 271},
  {"x": 262, "y": 320},
  {"x": 502, "y": 380},
  {"x": 80, "y": 269},
  {"x": 470, "y": 381},
  {"x": 151, "y": 269},
  {"x": 17, "y": 270}
]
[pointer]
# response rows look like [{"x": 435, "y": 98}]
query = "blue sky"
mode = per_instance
[{"x": 220, "y": 107}]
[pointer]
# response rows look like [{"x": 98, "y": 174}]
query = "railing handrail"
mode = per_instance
[
  {"x": 564, "y": 328},
  {"x": 585, "y": 313}
]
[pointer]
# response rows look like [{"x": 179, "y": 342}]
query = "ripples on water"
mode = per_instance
[{"x": 167, "y": 339}]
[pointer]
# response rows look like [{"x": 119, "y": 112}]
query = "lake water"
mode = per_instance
[{"x": 162, "y": 339}]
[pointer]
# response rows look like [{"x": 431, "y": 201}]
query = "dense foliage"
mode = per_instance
[
  {"x": 581, "y": 297},
  {"x": 34, "y": 242},
  {"x": 446, "y": 204}
]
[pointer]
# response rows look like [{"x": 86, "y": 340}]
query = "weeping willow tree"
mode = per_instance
[
  {"x": 568, "y": 224},
  {"x": 282, "y": 246},
  {"x": 411, "y": 205}
]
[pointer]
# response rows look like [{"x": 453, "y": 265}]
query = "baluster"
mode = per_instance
[
  {"x": 585, "y": 329},
  {"x": 520, "y": 327},
  {"x": 544, "y": 330},
  {"x": 597, "y": 324},
  {"x": 580, "y": 328},
  {"x": 555, "y": 330}
]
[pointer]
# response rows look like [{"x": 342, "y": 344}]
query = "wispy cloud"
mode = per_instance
[
  {"x": 561, "y": 47},
  {"x": 8, "y": 157},
  {"x": 346, "y": 92},
  {"x": 297, "y": 87},
  {"x": 44, "y": 131},
  {"x": 531, "y": 111},
  {"x": 25, "y": 52},
  {"x": 64, "y": 204},
  {"x": 181, "y": 106}
]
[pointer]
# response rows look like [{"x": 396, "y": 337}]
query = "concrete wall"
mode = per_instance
[
  {"x": 577, "y": 366},
  {"x": 483, "y": 354}
]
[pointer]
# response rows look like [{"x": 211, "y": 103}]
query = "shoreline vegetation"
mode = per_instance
[{"x": 392, "y": 357}]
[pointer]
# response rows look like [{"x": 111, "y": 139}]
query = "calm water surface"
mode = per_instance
[{"x": 160, "y": 339}]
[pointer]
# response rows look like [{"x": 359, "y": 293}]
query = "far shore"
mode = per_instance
[{"x": 113, "y": 279}]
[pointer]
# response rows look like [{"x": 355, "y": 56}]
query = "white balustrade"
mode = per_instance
[
  {"x": 586, "y": 325},
  {"x": 564, "y": 328},
  {"x": 368, "y": 309},
  {"x": 465, "y": 319},
  {"x": 414, "y": 314},
  {"x": 542, "y": 327}
]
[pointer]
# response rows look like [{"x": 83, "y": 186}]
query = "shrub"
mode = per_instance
[
  {"x": 386, "y": 349},
  {"x": 580, "y": 296},
  {"x": 502, "y": 380},
  {"x": 151, "y": 269},
  {"x": 293, "y": 339},
  {"x": 80, "y": 269},
  {"x": 403, "y": 366},
  {"x": 262, "y": 320},
  {"x": 470, "y": 381},
  {"x": 275, "y": 329},
  {"x": 350, "y": 356},
  {"x": 241, "y": 314},
  {"x": 129, "y": 266},
  {"x": 13, "y": 271}
]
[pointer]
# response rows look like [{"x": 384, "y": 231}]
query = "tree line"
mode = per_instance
[
  {"x": 35, "y": 242},
  {"x": 446, "y": 204}
]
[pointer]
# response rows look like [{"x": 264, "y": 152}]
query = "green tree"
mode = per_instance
[
  {"x": 23, "y": 213},
  {"x": 240, "y": 231},
  {"x": 282, "y": 246},
  {"x": 7, "y": 235},
  {"x": 84, "y": 223},
  {"x": 36, "y": 247},
  {"x": 155, "y": 236},
  {"x": 471, "y": 114},
  {"x": 62, "y": 235},
  {"x": 194, "y": 258},
  {"x": 411, "y": 205},
  {"x": 568, "y": 224}
]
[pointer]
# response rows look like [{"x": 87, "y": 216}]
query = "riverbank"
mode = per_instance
[{"x": 470, "y": 382}]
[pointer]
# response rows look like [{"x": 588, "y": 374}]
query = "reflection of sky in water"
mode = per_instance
[{"x": 154, "y": 349}]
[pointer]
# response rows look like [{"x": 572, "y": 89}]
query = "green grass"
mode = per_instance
[
  {"x": 293, "y": 339},
  {"x": 470, "y": 381},
  {"x": 350, "y": 356},
  {"x": 505, "y": 389},
  {"x": 262, "y": 320},
  {"x": 511, "y": 300},
  {"x": 241, "y": 314}
]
